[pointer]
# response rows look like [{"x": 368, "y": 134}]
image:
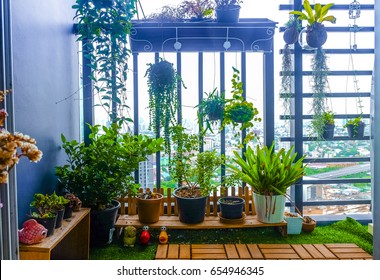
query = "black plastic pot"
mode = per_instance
[
  {"x": 191, "y": 210},
  {"x": 230, "y": 15},
  {"x": 48, "y": 223},
  {"x": 102, "y": 224},
  {"x": 328, "y": 133},
  {"x": 356, "y": 131},
  {"x": 60, "y": 214},
  {"x": 231, "y": 207},
  {"x": 68, "y": 211}
]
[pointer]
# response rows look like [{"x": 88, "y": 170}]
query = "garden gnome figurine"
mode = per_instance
[
  {"x": 129, "y": 236},
  {"x": 145, "y": 236},
  {"x": 32, "y": 232},
  {"x": 163, "y": 237}
]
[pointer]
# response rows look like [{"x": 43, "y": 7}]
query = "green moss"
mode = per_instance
[{"x": 346, "y": 231}]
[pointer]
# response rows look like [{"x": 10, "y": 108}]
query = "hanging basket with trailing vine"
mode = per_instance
[
  {"x": 163, "y": 98},
  {"x": 103, "y": 27}
]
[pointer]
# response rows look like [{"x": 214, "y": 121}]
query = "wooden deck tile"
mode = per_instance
[
  {"x": 231, "y": 251},
  {"x": 184, "y": 252},
  {"x": 173, "y": 252},
  {"x": 255, "y": 251},
  {"x": 243, "y": 251},
  {"x": 261, "y": 251},
  {"x": 300, "y": 250},
  {"x": 162, "y": 251},
  {"x": 313, "y": 251}
]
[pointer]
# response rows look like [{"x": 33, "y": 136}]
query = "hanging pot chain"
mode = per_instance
[{"x": 354, "y": 13}]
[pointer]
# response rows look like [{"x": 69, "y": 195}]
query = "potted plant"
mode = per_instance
[
  {"x": 292, "y": 30},
  {"x": 74, "y": 205},
  {"x": 294, "y": 221},
  {"x": 163, "y": 98},
  {"x": 329, "y": 125},
  {"x": 58, "y": 206},
  {"x": 270, "y": 174},
  {"x": 43, "y": 213},
  {"x": 239, "y": 112},
  {"x": 211, "y": 109},
  {"x": 227, "y": 11},
  {"x": 231, "y": 207},
  {"x": 195, "y": 10},
  {"x": 149, "y": 206},
  {"x": 308, "y": 224},
  {"x": 102, "y": 171},
  {"x": 355, "y": 127},
  {"x": 194, "y": 171},
  {"x": 316, "y": 34}
]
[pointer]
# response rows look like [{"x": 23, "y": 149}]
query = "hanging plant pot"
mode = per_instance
[
  {"x": 328, "y": 132},
  {"x": 214, "y": 110},
  {"x": 240, "y": 113},
  {"x": 230, "y": 15},
  {"x": 316, "y": 35},
  {"x": 356, "y": 131},
  {"x": 291, "y": 35}
]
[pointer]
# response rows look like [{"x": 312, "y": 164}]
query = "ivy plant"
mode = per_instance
[{"x": 103, "y": 28}]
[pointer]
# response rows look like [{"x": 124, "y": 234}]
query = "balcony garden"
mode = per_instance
[{"x": 153, "y": 120}]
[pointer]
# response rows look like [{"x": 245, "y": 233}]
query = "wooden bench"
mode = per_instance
[
  {"x": 169, "y": 213},
  {"x": 71, "y": 241},
  {"x": 261, "y": 252}
]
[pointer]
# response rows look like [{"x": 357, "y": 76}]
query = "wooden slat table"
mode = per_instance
[
  {"x": 261, "y": 251},
  {"x": 210, "y": 222},
  {"x": 71, "y": 241}
]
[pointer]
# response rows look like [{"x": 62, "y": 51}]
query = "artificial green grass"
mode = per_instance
[{"x": 345, "y": 231}]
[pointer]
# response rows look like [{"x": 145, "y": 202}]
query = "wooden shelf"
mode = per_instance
[{"x": 71, "y": 241}]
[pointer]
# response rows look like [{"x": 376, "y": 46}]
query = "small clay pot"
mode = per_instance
[{"x": 309, "y": 227}]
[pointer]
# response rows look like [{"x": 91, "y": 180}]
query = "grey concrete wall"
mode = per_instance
[{"x": 45, "y": 78}]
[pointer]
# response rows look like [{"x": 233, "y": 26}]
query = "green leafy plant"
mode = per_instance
[
  {"x": 195, "y": 10},
  {"x": 225, "y": 4},
  {"x": 238, "y": 111},
  {"x": 103, "y": 28},
  {"x": 267, "y": 171},
  {"x": 103, "y": 170},
  {"x": 44, "y": 206},
  {"x": 210, "y": 109},
  {"x": 163, "y": 98},
  {"x": 192, "y": 168},
  {"x": 328, "y": 117},
  {"x": 355, "y": 123},
  {"x": 318, "y": 15},
  {"x": 58, "y": 201}
]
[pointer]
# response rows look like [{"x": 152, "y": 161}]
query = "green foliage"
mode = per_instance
[
  {"x": 320, "y": 86},
  {"x": 267, "y": 171},
  {"x": 293, "y": 22},
  {"x": 103, "y": 170},
  {"x": 328, "y": 117},
  {"x": 355, "y": 121},
  {"x": 46, "y": 204},
  {"x": 195, "y": 9},
  {"x": 191, "y": 167},
  {"x": 224, "y": 4},
  {"x": 210, "y": 109},
  {"x": 238, "y": 111},
  {"x": 103, "y": 28},
  {"x": 318, "y": 15},
  {"x": 287, "y": 81},
  {"x": 163, "y": 98}
]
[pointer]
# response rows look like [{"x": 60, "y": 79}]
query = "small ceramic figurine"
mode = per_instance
[
  {"x": 129, "y": 236},
  {"x": 145, "y": 236},
  {"x": 32, "y": 232},
  {"x": 163, "y": 237}
]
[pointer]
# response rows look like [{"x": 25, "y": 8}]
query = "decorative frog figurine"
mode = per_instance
[
  {"x": 163, "y": 237},
  {"x": 129, "y": 236},
  {"x": 32, "y": 232},
  {"x": 145, "y": 236}
]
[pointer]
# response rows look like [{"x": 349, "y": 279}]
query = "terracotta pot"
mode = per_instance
[
  {"x": 149, "y": 209},
  {"x": 309, "y": 227}
]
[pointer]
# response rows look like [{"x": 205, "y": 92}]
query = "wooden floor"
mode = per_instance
[{"x": 261, "y": 251}]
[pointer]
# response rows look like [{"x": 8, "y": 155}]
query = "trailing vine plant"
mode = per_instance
[
  {"x": 320, "y": 86},
  {"x": 103, "y": 28},
  {"x": 239, "y": 112},
  {"x": 163, "y": 98}
]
